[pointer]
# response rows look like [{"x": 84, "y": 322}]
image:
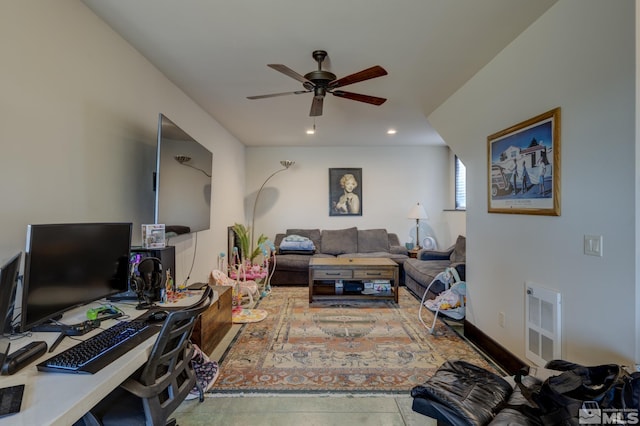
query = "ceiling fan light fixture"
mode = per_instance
[{"x": 312, "y": 131}]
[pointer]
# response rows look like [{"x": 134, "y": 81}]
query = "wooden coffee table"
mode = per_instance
[{"x": 324, "y": 271}]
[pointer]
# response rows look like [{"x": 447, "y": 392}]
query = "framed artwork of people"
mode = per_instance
[
  {"x": 345, "y": 192},
  {"x": 524, "y": 167}
]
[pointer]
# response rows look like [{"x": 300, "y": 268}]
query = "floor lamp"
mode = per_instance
[
  {"x": 286, "y": 164},
  {"x": 417, "y": 212}
]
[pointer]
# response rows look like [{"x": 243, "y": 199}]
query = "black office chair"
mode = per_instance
[{"x": 150, "y": 395}]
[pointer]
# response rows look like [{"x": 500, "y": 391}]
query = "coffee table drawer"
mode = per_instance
[
  {"x": 373, "y": 274},
  {"x": 333, "y": 274}
]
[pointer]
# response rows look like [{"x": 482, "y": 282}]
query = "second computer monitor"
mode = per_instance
[{"x": 8, "y": 284}]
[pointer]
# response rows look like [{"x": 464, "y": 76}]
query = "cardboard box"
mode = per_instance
[{"x": 153, "y": 236}]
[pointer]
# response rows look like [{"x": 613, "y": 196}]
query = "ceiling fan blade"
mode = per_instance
[
  {"x": 297, "y": 92},
  {"x": 358, "y": 97},
  {"x": 288, "y": 71},
  {"x": 316, "y": 106},
  {"x": 369, "y": 73}
]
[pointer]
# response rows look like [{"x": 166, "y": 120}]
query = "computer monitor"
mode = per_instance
[
  {"x": 8, "y": 284},
  {"x": 69, "y": 265}
]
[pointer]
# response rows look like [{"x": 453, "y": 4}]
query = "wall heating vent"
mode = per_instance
[{"x": 542, "y": 322}]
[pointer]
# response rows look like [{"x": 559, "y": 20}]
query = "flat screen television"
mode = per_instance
[
  {"x": 8, "y": 283},
  {"x": 69, "y": 265},
  {"x": 182, "y": 180}
]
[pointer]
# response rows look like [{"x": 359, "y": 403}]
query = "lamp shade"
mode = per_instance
[{"x": 417, "y": 212}]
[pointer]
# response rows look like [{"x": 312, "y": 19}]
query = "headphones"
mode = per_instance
[
  {"x": 150, "y": 278},
  {"x": 149, "y": 281}
]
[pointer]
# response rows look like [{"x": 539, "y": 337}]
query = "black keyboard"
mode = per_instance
[{"x": 93, "y": 354}]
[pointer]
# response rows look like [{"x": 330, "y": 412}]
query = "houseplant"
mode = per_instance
[
  {"x": 245, "y": 266},
  {"x": 243, "y": 234}
]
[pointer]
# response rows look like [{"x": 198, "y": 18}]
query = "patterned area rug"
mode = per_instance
[{"x": 343, "y": 346}]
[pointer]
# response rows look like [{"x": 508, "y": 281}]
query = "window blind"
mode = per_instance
[{"x": 461, "y": 185}]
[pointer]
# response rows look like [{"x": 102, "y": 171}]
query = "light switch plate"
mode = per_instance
[{"x": 593, "y": 245}]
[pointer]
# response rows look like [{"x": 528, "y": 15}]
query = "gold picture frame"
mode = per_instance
[{"x": 524, "y": 167}]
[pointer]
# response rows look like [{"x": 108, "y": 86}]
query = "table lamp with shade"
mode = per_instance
[{"x": 417, "y": 212}]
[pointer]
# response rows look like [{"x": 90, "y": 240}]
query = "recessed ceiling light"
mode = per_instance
[
  {"x": 311, "y": 131},
  {"x": 391, "y": 131}
]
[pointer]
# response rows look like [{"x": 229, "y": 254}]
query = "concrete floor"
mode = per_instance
[{"x": 303, "y": 410}]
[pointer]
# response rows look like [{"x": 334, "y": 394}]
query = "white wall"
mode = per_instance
[
  {"x": 394, "y": 179},
  {"x": 579, "y": 56},
  {"x": 79, "y": 110}
]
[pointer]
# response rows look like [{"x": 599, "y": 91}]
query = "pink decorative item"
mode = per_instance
[{"x": 240, "y": 288}]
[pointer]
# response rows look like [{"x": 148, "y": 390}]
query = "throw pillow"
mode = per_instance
[
  {"x": 296, "y": 243},
  {"x": 340, "y": 241},
  {"x": 373, "y": 240},
  {"x": 312, "y": 234}
]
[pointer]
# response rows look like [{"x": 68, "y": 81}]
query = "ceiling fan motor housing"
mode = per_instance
[{"x": 320, "y": 78}]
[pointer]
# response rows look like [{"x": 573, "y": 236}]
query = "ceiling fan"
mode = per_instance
[{"x": 321, "y": 82}]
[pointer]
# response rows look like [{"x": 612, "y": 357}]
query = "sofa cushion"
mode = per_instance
[
  {"x": 293, "y": 262},
  {"x": 340, "y": 241},
  {"x": 459, "y": 253},
  {"x": 373, "y": 240},
  {"x": 423, "y": 272},
  {"x": 373, "y": 254}
]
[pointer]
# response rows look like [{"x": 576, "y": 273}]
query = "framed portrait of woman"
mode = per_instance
[{"x": 345, "y": 192}]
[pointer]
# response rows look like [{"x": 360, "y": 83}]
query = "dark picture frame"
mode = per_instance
[
  {"x": 345, "y": 199},
  {"x": 524, "y": 167}
]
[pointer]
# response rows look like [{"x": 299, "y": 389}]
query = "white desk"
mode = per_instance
[{"x": 63, "y": 398}]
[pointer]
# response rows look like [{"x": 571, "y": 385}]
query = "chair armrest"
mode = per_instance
[
  {"x": 278, "y": 240},
  {"x": 399, "y": 250},
  {"x": 138, "y": 389},
  {"x": 434, "y": 254}
]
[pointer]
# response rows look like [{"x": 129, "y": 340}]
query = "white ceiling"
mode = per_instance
[{"x": 217, "y": 52}]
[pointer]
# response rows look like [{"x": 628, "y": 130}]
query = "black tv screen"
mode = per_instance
[
  {"x": 182, "y": 180},
  {"x": 69, "y": 265}
]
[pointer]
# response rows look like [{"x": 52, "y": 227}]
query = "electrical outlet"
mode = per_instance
[{"x": 501, "y": 319}]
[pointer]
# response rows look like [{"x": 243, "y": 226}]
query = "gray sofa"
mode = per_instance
[
  {"x": 292, "y": 266},
  {"x": 420, "y": 272}
]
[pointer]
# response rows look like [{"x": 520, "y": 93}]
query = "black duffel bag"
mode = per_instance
[{"x": 558, "y": 400}]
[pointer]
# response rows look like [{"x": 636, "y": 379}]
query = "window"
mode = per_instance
[{"x": 461, "y": 185}]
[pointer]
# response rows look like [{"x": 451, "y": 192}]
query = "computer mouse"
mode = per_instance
[{"x": 158, "y": 316}]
